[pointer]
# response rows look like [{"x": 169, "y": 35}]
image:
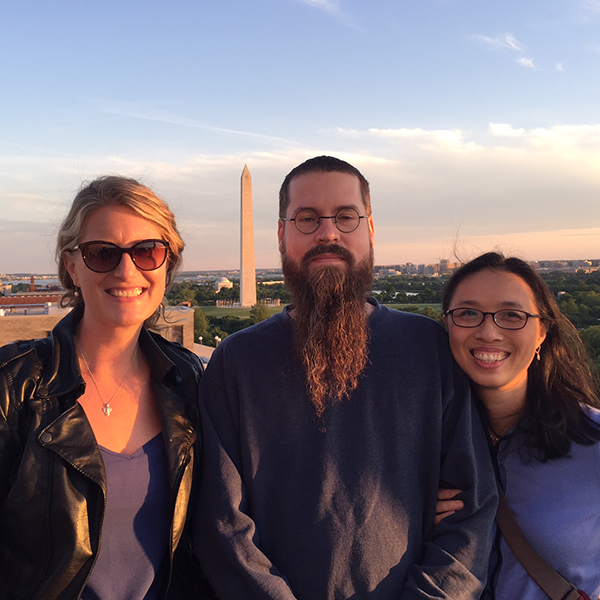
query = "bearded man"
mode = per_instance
[{"x": 329, "y": 428}]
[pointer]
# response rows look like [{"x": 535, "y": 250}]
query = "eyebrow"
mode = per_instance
[
  {"x": 505, "y": 304},
  {"x": 356, "y": 207}
]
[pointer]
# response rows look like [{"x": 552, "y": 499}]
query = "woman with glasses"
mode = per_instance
[
  {"x": 529, "y": 370},
  {"x": 98, "y": 422}
]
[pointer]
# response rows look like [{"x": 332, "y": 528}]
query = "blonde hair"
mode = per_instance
[{"x": 113, "y": 190}]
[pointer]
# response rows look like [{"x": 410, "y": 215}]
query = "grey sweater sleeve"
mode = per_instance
[
  {"x": 456, "y": 553},
  {"x": 226, "y": 538}
]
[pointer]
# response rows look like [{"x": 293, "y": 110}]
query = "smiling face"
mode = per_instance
[
  {"x": 126, "y": 296},
  {"x": 495, "y": 359},
  {"x": 325, "y": 193}
]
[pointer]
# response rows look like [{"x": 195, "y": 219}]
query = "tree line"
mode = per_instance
[{"x": 577, "y": 294}]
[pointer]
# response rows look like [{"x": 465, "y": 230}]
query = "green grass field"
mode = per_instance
[
  {"x": 242, "y": 313},
  {"x": 436, "y": 307}
]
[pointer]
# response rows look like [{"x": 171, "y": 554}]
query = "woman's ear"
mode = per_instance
[{"x": 70, "y": 266}]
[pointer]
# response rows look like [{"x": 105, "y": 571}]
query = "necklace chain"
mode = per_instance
[
  {"x": 106, "y": 407},
  {"x": 493, "y": 435}
]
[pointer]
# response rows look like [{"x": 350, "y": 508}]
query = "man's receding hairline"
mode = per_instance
[{"x": 364, "y": 201}]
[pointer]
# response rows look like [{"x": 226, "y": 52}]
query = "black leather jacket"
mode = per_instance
[{"x": 52, "y": 478}]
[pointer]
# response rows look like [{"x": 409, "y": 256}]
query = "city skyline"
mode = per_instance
[
  {"x": 27, "y": 275},
  {"x": 475, "y": 123}
]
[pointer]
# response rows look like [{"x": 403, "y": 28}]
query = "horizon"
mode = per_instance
[{"x": 182, "y": 272}]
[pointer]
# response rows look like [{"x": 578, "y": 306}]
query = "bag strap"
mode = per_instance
[{"x": 553, "y": 584}]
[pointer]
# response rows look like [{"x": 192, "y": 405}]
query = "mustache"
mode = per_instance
[{"x": 328, "y": 249}]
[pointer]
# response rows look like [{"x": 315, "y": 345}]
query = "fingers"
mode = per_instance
[
  {"x": 446, "y": 506},
  {"x": 447, "y": 494}
]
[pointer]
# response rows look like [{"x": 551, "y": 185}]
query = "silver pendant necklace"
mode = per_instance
[{"x": 106, "y": 407}]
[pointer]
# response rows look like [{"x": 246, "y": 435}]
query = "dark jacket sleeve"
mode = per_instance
[{"x": 11, "y": 407}]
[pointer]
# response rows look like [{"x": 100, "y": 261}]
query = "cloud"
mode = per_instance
[
  {"x": 332, "y": 7},
  {"x": 9, "y": 226},
  {"x": 505, "y": 130},
  {"x": 328, "y": 5},
  {"x": 550, "y": 244},
  {"x": 529, "y": 190},
  {"x": 505, "y": 41},
  {"x": 440, "y": 139},
  {"x": 592, "y": 6},
  {"x": 560, "y": 66},
  {"x": 186, "y": 122},
  {"x": 586, "y": 11},
  {"x": 525, "y": 61},
  {"x": 508, "y": 42}
]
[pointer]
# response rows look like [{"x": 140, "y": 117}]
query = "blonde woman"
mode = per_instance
[{"x": 98, "y": 423}]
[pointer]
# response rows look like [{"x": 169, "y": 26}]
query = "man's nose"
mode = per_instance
[{"x": 327, "y": 231}]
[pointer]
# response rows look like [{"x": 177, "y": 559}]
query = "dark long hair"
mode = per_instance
[{"x": 560, "y": 382}]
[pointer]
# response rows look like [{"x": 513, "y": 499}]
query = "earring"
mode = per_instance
[
  {"x": 537, "y": 352},
  {"x": 76, "y": 292}
]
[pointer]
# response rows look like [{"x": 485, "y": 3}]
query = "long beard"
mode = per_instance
[{"x": 330, "y": 323}]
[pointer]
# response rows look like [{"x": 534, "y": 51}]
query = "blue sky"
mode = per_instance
[{"x": 476, "y": 123}]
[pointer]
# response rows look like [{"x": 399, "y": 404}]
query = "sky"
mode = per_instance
[{"x": 476, "y": 123}]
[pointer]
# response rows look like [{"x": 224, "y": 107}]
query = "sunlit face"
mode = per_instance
[
  {"x": 126, "y": 296},
  {"x": 494, "y": 358},
  {"x": 325, "y": 193}
]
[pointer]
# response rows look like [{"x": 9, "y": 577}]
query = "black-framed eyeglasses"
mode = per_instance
[
  {"x": 103, "y": 257},
  {"x": 308, "y": 220},
  {"x": 505, "y": 319}
]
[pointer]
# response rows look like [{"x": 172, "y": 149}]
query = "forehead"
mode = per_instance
[
  {"x": 494, "y": 290},
  {"x": 117, "y": 224},
  {"x": 324, "y": 191}
]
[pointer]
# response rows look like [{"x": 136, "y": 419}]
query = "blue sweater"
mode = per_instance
[
  {"x": 342, "y": 508},
  {"x": 557, "y": 506}
]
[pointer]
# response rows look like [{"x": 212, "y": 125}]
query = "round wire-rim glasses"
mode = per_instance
[
  {"x": 103, "y": 257},
  {"x": 307, "y": 220},
  {"x": 505, "y": 319}
]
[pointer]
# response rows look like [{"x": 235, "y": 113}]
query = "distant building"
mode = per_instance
[
  {"x": 444, "y": 267},
  {"x": 23, "y": 298},
  {"x": 386, "y": 273},
  {"x": 427, "y": 269},
  {"x": 223, "y": 283}
]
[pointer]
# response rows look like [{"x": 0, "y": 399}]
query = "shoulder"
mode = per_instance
[
  {"x": 270, "y": 329},
  {"x": 407, "y": 325},
  {"x": 17, "y": 354},
  {"x": 21, "y": 364},
  {"x": 257, "y": 345},
  {"x": 592, "y": 413},
  {"x": 183, "y": 358}
]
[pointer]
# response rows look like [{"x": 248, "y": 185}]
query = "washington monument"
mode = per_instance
[{"x": 247, "y": 267}]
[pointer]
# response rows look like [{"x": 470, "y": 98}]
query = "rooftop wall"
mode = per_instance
[{"x": 178, "y": 326}]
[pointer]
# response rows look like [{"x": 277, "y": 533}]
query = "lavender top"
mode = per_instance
[{"x": 135, "y": 531}]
